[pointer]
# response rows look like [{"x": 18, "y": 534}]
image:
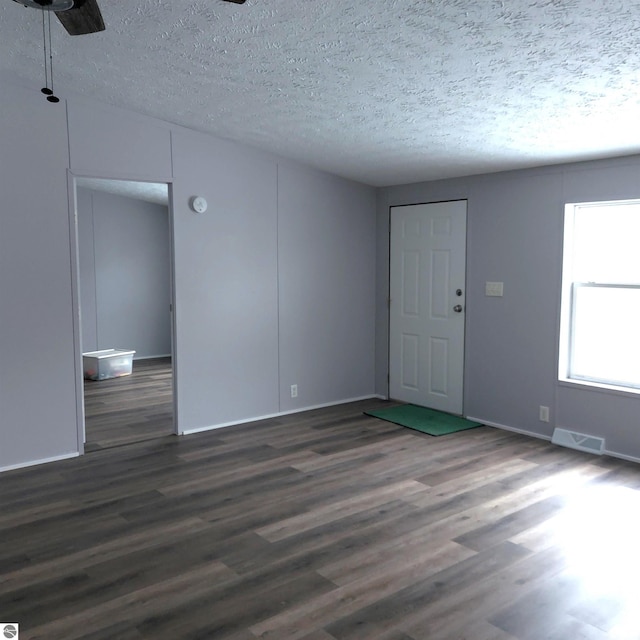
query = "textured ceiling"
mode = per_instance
[{"x": 381, "y": 91}]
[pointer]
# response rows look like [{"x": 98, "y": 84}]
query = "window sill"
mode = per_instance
[{"x": 599, "y": 387}]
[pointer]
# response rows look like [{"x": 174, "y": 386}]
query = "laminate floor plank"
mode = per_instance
[
  {"x": 137, "y": 605},
  {"x": 295, "y": 623},
  {"x": 319, "y": 634},
  {"x": 398, "y": 611},
  {"x": 485, "y": 459},
  {"x": 338, "y": 541},
  {"x": 441, "y": 618},
  {"x": 101, "y": 552},
  {"x": 324, "y": 525},
  {"x": 542, "y": 610},
  {"x": 320, "y": 516},
  {"x": 133, "y": 408},
  {"x": 229, "y": 608}
]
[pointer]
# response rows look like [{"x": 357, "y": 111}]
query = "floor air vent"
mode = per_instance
[{"x": 580, "y": 441}]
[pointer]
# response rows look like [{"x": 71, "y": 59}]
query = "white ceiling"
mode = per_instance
[{"x": 381, "y": 91}]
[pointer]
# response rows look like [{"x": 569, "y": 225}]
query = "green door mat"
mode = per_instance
[{"x": 435, "y": 423}]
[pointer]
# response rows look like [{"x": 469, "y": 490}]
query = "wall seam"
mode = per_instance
[
  {"x": 278, "y": 283},
  {"x": 95, "y": 274}
]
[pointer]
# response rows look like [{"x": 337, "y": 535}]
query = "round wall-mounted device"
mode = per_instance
[{"x": 198, "y": 204}]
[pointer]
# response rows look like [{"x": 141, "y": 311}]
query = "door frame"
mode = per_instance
[
  {"x": 75, "y": 295},
  {"x": 466, "y": 297}
]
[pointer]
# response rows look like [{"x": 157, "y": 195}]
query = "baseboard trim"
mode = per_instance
[
  {"x": 328, "y": 404},
  {"x": 278, "y": 414},
  {"x": 497, "y": 425},
  {"x": 33, "y": 463},
  {"x": 605, "y": 452},
  {"x": 621, "y": 456}
]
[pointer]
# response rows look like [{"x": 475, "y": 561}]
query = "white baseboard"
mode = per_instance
[
  {"x": 223, "y": 425},
  {"x": 605, "y": 452},
  {"x": 33, "y": 463},
  {"x": 621, "y": 456},
  {"x": 505, "y": 427},
  {"x": 327, "y": 404}
]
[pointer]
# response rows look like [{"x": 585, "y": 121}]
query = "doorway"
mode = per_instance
[
  {"x": 426, "y": 304},
  {"x": 124, "y": 266}
]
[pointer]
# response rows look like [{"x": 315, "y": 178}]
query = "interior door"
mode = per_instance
[{"x": 426, "y": 307}]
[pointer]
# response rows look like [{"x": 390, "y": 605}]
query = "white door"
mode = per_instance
[{"x": 426, "y": 308}]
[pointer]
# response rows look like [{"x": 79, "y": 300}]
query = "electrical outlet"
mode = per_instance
[
  {"x": 294, "y": 390},
  {"x": 544, "y": 414}
]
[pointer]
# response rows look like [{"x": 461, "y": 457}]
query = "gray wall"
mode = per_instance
[
  {"x": 37, "y": 373},
  {"x": 326, "y": 251},
  {"x": 283, "y": 281},
  {"x": 226, "y": 283},
  {"x": 124, "y": 259},
  {"x": 247, "y": 298},
  {"x": 514, "y": 235}
]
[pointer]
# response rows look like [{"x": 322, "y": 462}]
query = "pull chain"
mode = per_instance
[
  {"x": 48, "y": 73},
  {"x": 45, "y": 89}
]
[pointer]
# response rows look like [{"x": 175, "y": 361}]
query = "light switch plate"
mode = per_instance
[{"x": 494, "y": 289}]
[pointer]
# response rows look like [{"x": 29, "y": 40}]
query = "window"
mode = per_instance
[{"x": 600, "y": 320}]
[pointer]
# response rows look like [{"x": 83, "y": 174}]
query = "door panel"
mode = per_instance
[
  {"x": 410, "y": 360},
  {"x": 426, "y": 341},
  {"x": 410, "y": 283}
]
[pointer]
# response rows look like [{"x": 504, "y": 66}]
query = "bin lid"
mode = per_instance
[{"x": 107, "y": 353}]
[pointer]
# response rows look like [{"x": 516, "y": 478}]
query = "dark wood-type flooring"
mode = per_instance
[
  {"x": 131, "y": 408},
  {"x": 327, "y": 525}
]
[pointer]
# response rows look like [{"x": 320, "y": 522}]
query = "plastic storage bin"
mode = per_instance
[{"x": 107, "y": 363}]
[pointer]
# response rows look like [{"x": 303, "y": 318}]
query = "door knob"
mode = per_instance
[{"x": 457, "y": 308}]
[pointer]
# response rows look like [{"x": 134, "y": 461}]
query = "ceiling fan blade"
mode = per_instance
[
  {"x": 236, "y": 1},
  {"x": 83, "y": 18}
]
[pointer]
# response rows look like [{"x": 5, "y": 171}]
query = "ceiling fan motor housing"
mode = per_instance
[{"x": 48, "y": 5}]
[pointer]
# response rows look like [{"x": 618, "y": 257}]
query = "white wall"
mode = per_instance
[
  {"x": 515, "y": 226},
  {"x": 247, "y": 298},
  {"x": 125, "y": 271}
]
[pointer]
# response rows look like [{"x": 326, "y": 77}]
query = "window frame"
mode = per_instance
[{"x": 568, "y": 295}]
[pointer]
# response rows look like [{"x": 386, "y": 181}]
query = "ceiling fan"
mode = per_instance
[{"x": 78, "y": 17}]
